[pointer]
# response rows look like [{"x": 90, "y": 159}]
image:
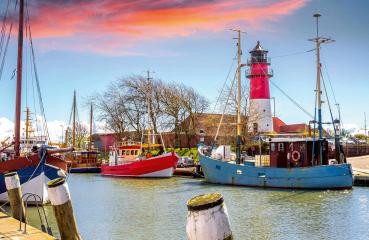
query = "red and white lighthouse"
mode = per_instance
[{"x": 260, "y": 114}]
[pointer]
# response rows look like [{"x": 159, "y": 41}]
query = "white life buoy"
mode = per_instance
[{"x": 296, "y": 156}]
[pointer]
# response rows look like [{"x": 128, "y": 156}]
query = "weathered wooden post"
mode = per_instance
[
  {"x": 60, "y": 200},
  {"x": 14, "y": 190},
  {"x": 207, "y": 218}
]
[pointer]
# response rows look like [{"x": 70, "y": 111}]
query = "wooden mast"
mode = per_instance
[
  {"x": 239, "y": 53},
  {"x": 90, "y": 145},
  {"x": 239, "y": 66},
  {"x": 18, "y": 98},
  {"x": 74, "y": 120}
]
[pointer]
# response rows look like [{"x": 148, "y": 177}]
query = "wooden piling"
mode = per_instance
[
  {"x": 14, "y": 190},
  {"x": 60, "y": 200},
  {"x": 207, "y": 218}
]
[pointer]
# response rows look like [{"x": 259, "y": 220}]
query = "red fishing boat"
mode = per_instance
[
  {"x": 140, "y": 159},
  {"x": 133, "y": 159}
]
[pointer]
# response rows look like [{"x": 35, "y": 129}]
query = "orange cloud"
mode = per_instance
[{"x": 91, "y": 24}]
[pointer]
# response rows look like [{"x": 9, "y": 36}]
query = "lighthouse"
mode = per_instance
[{"x": 260, "y": 114}]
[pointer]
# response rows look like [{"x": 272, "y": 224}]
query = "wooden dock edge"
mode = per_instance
[{"x": 9, "y": 229}]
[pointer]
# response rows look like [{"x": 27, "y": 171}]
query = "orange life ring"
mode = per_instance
[{"x": 296, "y": 156}]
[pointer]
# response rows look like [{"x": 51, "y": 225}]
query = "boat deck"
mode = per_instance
[{"x": 9, "y": 229}]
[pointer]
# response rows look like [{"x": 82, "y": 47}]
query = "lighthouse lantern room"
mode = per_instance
[{"x": 260, "y": 114}]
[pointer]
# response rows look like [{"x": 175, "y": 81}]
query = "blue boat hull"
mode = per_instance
[
  {"x": 86, "y": 170},
  {"x": 317, "y": 177},
  {"x": 38, "y": 174}
]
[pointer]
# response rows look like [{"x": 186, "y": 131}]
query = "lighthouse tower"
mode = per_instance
[{"x": 260, "y": 114}]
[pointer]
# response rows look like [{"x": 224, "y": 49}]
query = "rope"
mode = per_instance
[
  {"x": 295, "y": 53},
  {"x": 293, "y": 101},
  {"x": 5, "y": 51},
  {"x": 225, "y": 107},
  {"x": 333, "y": 93},
  {"x": 3, "y": 27},
  {"x": 37, "y": 78},
  {"x": 224, "y": 84}
]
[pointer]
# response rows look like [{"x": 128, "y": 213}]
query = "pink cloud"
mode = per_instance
[{"x": 105, "y": 26}]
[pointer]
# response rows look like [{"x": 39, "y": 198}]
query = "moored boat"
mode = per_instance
[
  {"x": 297, "y": 163},
  {"x": 129, "y": 160},
  {"x": 34, "y": 167},
  {"x": 82, "y": 160},
  {"x": 289, "y": 165}
]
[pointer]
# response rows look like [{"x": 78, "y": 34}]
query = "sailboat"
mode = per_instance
[
  {"x": 295, "y": 163},
  {"x": 134, "y": 159},
  {"x": 39, "y": 166},
  {"x": 82, "y": 160}
]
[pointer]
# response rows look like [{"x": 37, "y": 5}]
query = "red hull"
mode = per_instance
[
  {"x": 161, "y": 166},
  {"x": 33, "y": 160}
]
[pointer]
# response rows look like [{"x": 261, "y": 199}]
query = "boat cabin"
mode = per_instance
[
  {"x": 78, "y": 159},
  {"x": 290, "y": 152},
  {"x": 129, "y": 151}
]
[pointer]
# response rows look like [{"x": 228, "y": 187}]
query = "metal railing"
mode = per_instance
[{"x": 45, "y": 228}]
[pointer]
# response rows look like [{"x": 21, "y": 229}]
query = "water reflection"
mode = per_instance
[{"x": 116, "y": 208}]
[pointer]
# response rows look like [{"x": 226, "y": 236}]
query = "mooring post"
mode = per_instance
[
  {"x": 207, "y": 218},
  {"x": 60, "y": 200},
  {"x": 14, "y": 190}
]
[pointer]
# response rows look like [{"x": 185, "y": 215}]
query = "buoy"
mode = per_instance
[
  {"x": 14, "y": 190},
  {"x": 207, "y": 218},
  {"x": 60, "y": 200}
]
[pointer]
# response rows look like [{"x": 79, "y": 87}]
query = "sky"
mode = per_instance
[{"x": 84, "y": 45}]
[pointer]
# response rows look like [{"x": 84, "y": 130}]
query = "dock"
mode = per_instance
[
  {"x": 9, "y": 229},
  {"x": 360, "y": 167}
]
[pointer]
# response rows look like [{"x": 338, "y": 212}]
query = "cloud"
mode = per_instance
[
  {"x": 56, "y": 128},
  {"x": 6, "y": 128},
  {"x": 114, "y": 27}
]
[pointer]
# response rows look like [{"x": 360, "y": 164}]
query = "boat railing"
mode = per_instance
[{"x": 127, "y": 143}]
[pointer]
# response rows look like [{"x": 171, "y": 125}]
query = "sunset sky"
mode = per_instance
[{"x": 84, "y": 45}]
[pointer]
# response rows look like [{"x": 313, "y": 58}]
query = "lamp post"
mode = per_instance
[{"x": 336, "y": 125}]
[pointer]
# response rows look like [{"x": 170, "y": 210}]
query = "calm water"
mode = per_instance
[{"x": 114, "y": 208}]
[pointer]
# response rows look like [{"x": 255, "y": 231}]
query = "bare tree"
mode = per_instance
[{"x": 81, "y": 134}]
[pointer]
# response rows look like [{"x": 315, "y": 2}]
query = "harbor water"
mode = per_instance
[{"x": 118, "y": 208}]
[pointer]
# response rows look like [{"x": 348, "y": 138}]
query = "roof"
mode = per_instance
[
  {"x": 293, "y": 128},
  {"x": 258, "y": 48},
  {"x": 277, "y": 124}
]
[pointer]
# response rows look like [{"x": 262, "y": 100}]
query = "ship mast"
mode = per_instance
[
  {"x": 148, "y": 99},
  {"x": 74, "y": 120},
  {"x": 90, "y": 145},
  {"x": 318, "y": 41},
  {"x": 18, "y": 98},
  {"x": 239, "y": 65}
]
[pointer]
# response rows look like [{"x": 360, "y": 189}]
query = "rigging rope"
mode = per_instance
[
  {"x": 5, "y": 51},
  {"x": 37, "y": 78},
  {"x": 225, "y": 107},
  {"x": 333, "y": 93},
  {"x": 293, "y": 101},
  {"x": 224, "y": 84},
  {"x": 327, "y": 97},
  {"x": 295, "y": 53},
  {"x": 3, "y": 27}
]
